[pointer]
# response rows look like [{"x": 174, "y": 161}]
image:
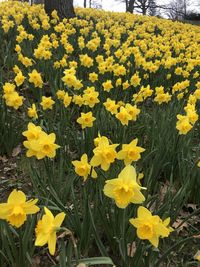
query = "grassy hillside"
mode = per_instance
[{"x": 100, "y": 115}]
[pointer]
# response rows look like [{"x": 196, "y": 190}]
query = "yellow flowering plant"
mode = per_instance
[
  {"x": 16, "y": 209},
  {"x": 17, "y": 223},
  {"x": 104, "y": 154},
  {"x": 39, "y": 144},
  {"x": 46, "y": 229},
  {"x": 124, "y": 189},
  {"x": 149, "y": 227}
]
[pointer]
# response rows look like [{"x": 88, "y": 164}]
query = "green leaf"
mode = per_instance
[{"x": 97, "y": 261}]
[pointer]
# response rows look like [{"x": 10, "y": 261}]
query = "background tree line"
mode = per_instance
[{"x": 175, "y": 9}]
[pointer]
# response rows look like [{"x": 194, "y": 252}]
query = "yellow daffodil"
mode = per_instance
[
  {"x": 183, "y": 124},
  {"x": 104, "y": 154},
  {"x": 19, "y": 78},
  {"x": 124, "y": 189},
  {"x": 86, "y": 120},
  {"x": 60, "y": 94},
  {"x": 130, "y": 152},
  {"x": 123, "y": 116},
  {"x": 39, "y": 144},
  {"x": 83, "y": 168},
  {"x": 150, "y": 227},
  {"x": 33, "y": 131},
  {"x": 35, "y": 78},
  {"x": 47, "y": 103},
  {"x": 46, "y": 229},
  {"x": 32, "y": 112},
  {"x": 16, "y": 209}
]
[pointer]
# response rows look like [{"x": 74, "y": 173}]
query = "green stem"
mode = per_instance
[
  {"x": 122, "y": 241},
  {"x": 21, "y": 252}
]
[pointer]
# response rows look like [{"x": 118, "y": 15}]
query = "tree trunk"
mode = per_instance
[
  {"x": 64, "y": 8},
  {"x": 126, "y": 2},
  {"x": 85, "y": 3},
  {"x": 37, "y": 1},
  {"x": 144, "y": 10},
  {"x": 130, "y": 6}
]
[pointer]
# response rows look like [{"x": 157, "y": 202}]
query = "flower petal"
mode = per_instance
[
  {"x": 138, "y": 197},
  {"x": 154, "y": 241},
  {"x": 128, "y": 173},
  {"x": 143, "y": 213},
  {"x": 48, "y": 213},
  {"x": 30, "y": 207},
  {"x": 135, "y": 222},
  {"x": 4, "y": 210},
  {"x": 109, "y": 190},
  {"x": 16, "y": 197},
  {"x": 95, "y": 161},
  {"x": 52, "y": 243},
  {"x": 59, "y": 219},
  {"x": 41, "y": 239}
]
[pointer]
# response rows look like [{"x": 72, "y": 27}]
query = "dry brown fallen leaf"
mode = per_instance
[
  {"x": 164, "y": 189},
  {"x": 177, "y": 223},
  {"x": 197, "y": 236},
  {"x": 16, "y": 151},
  {"x": 81, "y": 265},
  {"x": 3, "y": 159},
  {"x": 36, "y": 261},
  {"x": 131, "y": 248}
]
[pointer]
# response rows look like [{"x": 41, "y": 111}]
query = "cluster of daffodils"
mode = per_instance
[
  {"x": 38, "y": 143},
  {"x": 116, "y": 61},
  {"x": 35, "y": 78},
  {"x": 125, "y": 190},
  {"x": 16, "y": 210},
  {"x": 11, "y": 96},
  {"x": 161, "y": 96},
  {"x": 186, "y": 122},
  {"x": 105, "y": 154},
  {"x": 127, "y": 113}
]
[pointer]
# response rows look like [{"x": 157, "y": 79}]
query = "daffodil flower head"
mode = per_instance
[
  {"x": 104, "y": 154},
  {"x": 16, "y": 209},
  {"x": 124, "y": 189},
  {"x": 46, "y": 229},
  {"x": 183, "y": 124},
  {"x": 19, "y": 78},
  {"x": 130, "y": 152},
  {"x": 32, "y": 112},
  {"x": 99, "y": 138},
  {"x": 47, "y": 103},
  {"x": 83, "y": 168},
  {"x": 150, "y": 227},
  {"x": 33, "y": 131},
  {"x": 35, "y": 78},
  {"x": 86, "y": 120},
  {"x": 123, "y": 116},
  {"x": 38, "y": 143}
]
